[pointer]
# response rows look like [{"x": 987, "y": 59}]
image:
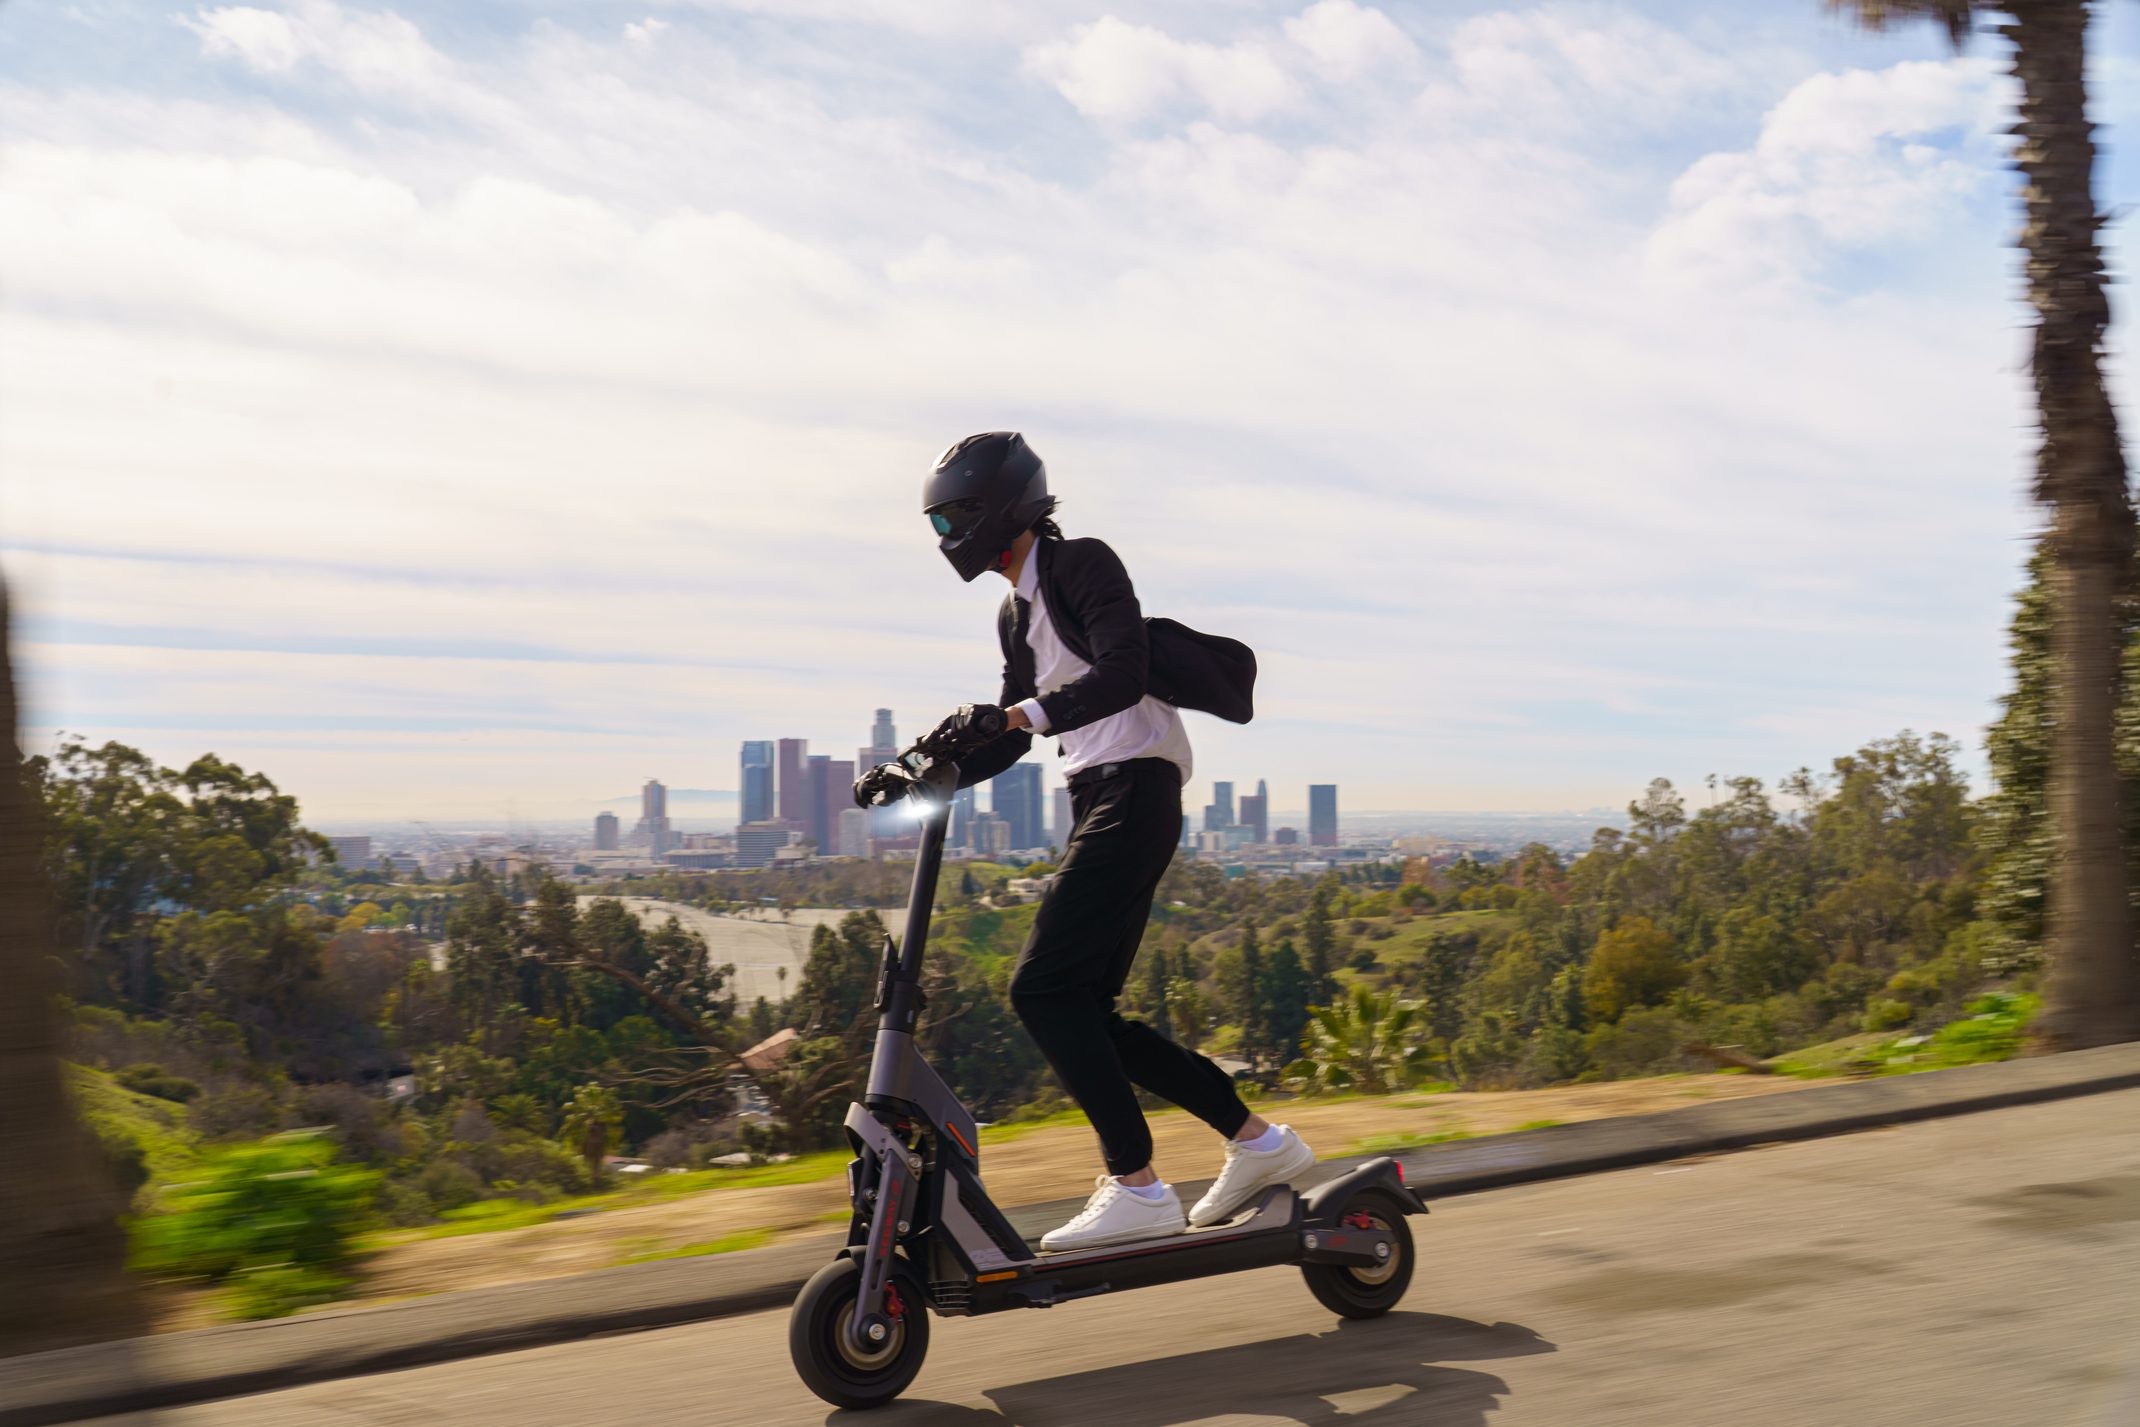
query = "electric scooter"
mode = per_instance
[{"x": 925, "y": 1237}]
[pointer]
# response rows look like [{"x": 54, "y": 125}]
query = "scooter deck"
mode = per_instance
[{"x": 1273, "y": 1212}]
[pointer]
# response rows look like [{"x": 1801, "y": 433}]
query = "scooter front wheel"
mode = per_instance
[{"x": 828, "y": 1359}]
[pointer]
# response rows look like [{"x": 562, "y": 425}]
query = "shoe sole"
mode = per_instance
[
  {"x": 1204, "y": 1219},
  {"x": 1126, "y": 1236}
]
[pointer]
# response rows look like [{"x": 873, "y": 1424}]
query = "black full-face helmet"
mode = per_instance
[{"x": 984, "y": 493}]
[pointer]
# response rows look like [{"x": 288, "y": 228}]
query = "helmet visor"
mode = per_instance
[{"x": 957, "y": 519}]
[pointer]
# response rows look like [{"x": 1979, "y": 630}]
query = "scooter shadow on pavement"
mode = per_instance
[{"x": 1380, "y": 1372}]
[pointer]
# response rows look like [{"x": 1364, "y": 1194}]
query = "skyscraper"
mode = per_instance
[
  {"x": 832, "y": 787},
  {"x": 754, "y": 802},
  {"x": 1059, "y": 831},
  {"x": 962, "y": 808},
  {"x": 1218, "y": 813},
  {"x": 793, "y": 795},
  {"x": 883, "y": 748},
  {"x": 654, "y": 817},
  {"x": 605, "y": 833},
  {"x": 1322, "y": 814},
  {"x": 1256, "y": 812},
  {"x": 1017, "y": 802}
]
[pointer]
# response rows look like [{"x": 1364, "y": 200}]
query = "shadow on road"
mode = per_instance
[{"x": 1380, "y": 1373}]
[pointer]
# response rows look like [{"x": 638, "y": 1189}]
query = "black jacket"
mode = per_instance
[{"x": 1095, "y": 612}]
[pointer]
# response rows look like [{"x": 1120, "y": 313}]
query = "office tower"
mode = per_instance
[
  {"x": 883, "y": 748},
  {"x": 991, "y": 834},
  {"x": 654, "y": 818},
  {"x": 352, "y": 851},
  {"x": 1218, "y": 813},
  {"x": 1017, "y": 802},
  {"x": 1256, "y": 813},
  {"x": 1060, "y": 832},
  {"x": 605, "y": 833},
  {"x": 1188, "y": 835},
  {"x": 1322, "y": 814},
  {"x": 792, "y": 795},
  {"x": 756, "y": 843},
  {"x": 754, "y": 802},
  {"x": 962, "y": 809},
  {"x": 832, "y": 787},
  {"x": 851, "y": 832},
  {"x": 1286, "y": 837}
]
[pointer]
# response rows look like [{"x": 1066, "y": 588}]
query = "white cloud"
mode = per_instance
[
  {"x": 1842, "y": 163},
  {"x": 264, "y": 39},
  {"x": 1345, "y": 40},
  {"x": 1118, "y": 72},
  {"x": 643, "y": 33}
]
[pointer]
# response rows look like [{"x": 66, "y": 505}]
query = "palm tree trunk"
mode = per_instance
[
  {"x": 2092, "y": 989},
  {"x": 62, "y": 1255}
]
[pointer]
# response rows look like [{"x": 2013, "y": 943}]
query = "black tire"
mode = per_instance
[
  {"x": 827, "y": 1359},
  {"x": 1360, "y": 1292}
]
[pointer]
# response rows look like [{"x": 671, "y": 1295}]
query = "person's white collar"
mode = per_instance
[{"x": 1029, "y": 576}]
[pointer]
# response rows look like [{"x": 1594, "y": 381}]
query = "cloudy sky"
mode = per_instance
[{"x": 473, "y": 409}]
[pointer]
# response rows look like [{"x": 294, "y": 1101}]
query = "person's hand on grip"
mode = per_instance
[
  {"x": 881, "y": 786},
  {"x": 969, "y": 728}
]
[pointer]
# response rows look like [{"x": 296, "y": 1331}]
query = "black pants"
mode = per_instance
[{"x": 1127, "y": 820}]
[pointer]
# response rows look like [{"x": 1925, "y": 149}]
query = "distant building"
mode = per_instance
[
  {"x": 991, "y": 834},
  {"x": 962, "y": 810},
  {"x": 353, "y": 851},
  {"x": 851, "y": 835},
  {"x": 1059, "y": 829},
  {"x": 404, "y": 864},
  {"x": 605, "y": 832},
  {"x": 883, "y": 748},
  {"x": 1322, "y": 814},
  {"x": 1027, "y": 889},
  {"x": 1218, "y": 813},
  {"x": 1256, "y": 813},
  {"x": 792, "y": 792},
  {"x": 757, "y": 843},
  {"x": 1286, "y": 837},
  {"x": 832, "y": 788},
  {"x": 653, "y": 828},
  {"x": 1017, "y": 802},
  {"x": 755, "y": 787}
]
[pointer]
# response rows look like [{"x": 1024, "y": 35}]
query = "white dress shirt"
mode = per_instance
[{"x": 1149, "y": 728}]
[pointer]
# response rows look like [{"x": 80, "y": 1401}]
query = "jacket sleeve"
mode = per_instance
[
  {"x": 993, "y": 758},
  {"x": 1104, "y": 604}
]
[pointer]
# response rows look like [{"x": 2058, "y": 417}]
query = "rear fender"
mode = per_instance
[{"x": 1320, "y": 1205}]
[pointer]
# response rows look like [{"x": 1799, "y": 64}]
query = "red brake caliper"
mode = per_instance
[
  {"x": 1358, "y": 1219},
  {"x": 895, "y": 1308}
]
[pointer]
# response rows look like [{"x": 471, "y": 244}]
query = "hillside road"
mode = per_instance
[{"x": 1978, "y": 1271}]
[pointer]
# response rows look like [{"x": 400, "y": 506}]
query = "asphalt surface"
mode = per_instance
[{"x": 1977, "y": 1270}]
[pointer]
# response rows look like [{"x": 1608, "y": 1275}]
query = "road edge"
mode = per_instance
[{"x": 200, "y": 1365}]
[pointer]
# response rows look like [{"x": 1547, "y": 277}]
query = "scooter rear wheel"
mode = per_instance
[
  {"x": 1366, "y": 1292},
  {"x": 829, "y": 1361}
]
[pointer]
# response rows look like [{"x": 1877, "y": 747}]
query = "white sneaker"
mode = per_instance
[
  {"x": 1115, "y": 1216},
  {"x": 1248, "y": 1173}
]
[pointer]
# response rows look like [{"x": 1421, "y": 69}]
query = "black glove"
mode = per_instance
[
  {"x": 966, "y": 730},
  {"x": 882, "y": 786}
]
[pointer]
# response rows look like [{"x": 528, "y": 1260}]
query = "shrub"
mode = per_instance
[
  {"x": 1885, "y": 1014},
  {"x": 147, "y": 1079},
  {"x": 241, "y": 1112},
  {"x": 126, "y": 1159},
  {"x": 1642, "y": 1040},
  {"x": 272, "y": 1222},
  {"x": 448, "y": 1184}
]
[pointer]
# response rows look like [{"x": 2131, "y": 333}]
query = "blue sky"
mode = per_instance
[{"x": 472, "y": 410}]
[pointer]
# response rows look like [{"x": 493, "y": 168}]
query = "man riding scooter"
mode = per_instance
[{"x": 1081, "y": 666}]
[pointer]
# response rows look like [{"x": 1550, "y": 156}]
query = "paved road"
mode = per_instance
[
  {"x": 759, "y": 945},
  {"x": 1982, "y": 1271}
]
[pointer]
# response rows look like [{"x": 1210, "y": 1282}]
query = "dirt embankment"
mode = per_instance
[{"x": 1054, "y": 1162}]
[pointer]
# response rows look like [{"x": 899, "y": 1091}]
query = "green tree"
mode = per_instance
[
  {"x": 2092, "y": 988},
  {"x": 1369, "y": 1042},
  {"x": 1632, "y": 965},
  {"x": 590, "y": 1122},
  {"x": 1319, "y": 945},
  {"x": 1286, "y": 988}
]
